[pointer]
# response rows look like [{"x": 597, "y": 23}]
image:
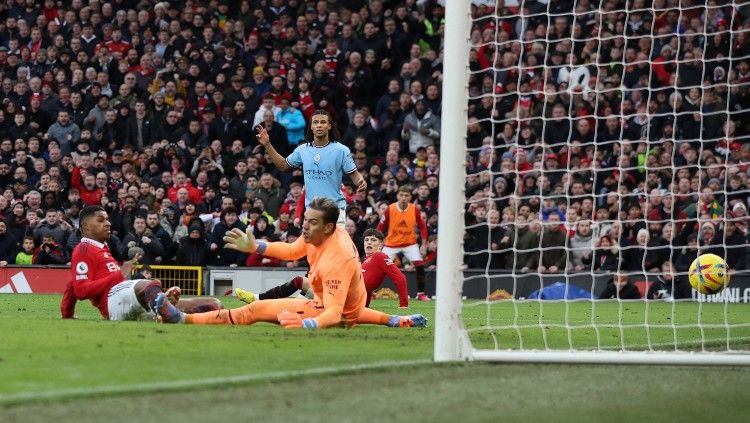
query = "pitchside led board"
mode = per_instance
[{"x": 33, "y": 280}]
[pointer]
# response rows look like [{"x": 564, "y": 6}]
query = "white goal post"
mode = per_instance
[{"x": 452, "y": 339}]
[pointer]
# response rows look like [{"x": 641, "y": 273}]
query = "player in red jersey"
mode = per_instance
[
  {"x": 375, "y": 268},
  {"x": 96, "y": 276}
]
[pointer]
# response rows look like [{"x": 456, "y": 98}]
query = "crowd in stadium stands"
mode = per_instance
[{"x": 627, "y": 151}]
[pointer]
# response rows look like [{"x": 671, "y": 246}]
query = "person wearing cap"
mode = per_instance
[
  {"x": 259, "y": 82},
  {"x": 194, "y": 249},
  {"x": 323, "y": 159}
]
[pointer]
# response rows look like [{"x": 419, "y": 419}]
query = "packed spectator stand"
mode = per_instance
[{"x": 149, "y": 109}]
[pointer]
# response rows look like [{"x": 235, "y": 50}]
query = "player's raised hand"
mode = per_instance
[
  {"x": 241, "y": 241},
  {"x": 262, "y": 135}
]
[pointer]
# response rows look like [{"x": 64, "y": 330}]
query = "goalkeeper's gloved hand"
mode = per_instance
[{"x": 291, "y": 320}]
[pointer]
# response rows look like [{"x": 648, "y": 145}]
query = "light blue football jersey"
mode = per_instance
[{"x": 323, "y": 167}]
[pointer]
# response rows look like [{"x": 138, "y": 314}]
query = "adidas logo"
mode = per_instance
[{"x": 18, "y": 284}]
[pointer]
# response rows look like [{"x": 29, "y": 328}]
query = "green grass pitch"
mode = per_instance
[{"x": 91, "y": 370}]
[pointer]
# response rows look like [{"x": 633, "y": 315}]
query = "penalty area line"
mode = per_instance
[{"x": 190, "y": 384}]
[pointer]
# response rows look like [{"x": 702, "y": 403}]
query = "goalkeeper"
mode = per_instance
[
  {"x": 375, "y": 268},
  {"x": 335, "y": 276}
]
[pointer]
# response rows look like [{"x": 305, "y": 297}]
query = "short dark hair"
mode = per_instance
[
  {"x": 406, "y": 188},
  {"x": 229, "y": 210},
  {"x": 374, "y": 232},
  {"x": 88, "y": 212},
  {"x": 329, "y": 208}
]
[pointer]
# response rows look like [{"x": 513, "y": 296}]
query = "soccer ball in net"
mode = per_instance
[{"x": 708, "y": 274}]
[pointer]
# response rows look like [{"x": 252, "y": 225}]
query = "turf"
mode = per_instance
[{"x": 91, "y": 370}]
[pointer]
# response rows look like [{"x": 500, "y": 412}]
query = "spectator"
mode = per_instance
[
  {"x": 269, "y": 190},
  {"x": 8, "y": 245},
  {"x": 51, "y": 227},
  {"x": 49, "y": 253},
  {"x": 229, "y": 221},
  {"x": 553, "y": 257},
  {"x": 154, "y": 225},
  {"x": 606, "y": 255},
  {"x": 194, "y": 249},
  {"x": 619, "y": 287},
  {"x": 65, "y": 132},
  {"x": 667, "y": 286},
  {"x": 292, "y": 120},
  {"x": 421, "y": 128},
  {"x": 142, "y": 240},
  {"x": 26, "y": 255},
  {"x": 581, "y": 246}
]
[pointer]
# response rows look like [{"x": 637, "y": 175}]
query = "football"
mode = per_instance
[{"x": 708, "y": 274}]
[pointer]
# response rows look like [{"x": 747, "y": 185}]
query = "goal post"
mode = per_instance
[
  {"x": 450, "y": 341},
  {"x": 524, "y": 326}
]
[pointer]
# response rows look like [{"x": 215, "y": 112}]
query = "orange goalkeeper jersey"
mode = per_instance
[{"x": 335, "y": 275}]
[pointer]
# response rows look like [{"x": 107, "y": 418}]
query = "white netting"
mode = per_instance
[{"x": 607, "y": 140}]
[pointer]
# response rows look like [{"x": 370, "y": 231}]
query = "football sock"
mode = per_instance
[
  {"x": 282, "y": 291},
  {"x": 420, "y": 278},
  {"x": 150, "y": 293},
  {"x": 373, "y": 317},
  {"x": 219, "y": 317},
  {"x": 203, "y": 308}
]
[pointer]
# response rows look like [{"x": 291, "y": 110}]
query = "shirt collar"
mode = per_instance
[{"x": 93, "y": 242}]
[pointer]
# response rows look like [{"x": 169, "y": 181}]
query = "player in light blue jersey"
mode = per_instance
[{"x": 323, "y": 160}]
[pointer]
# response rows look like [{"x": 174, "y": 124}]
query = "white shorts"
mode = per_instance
[
  {"x": 411, "y": 252},
  {"x": 342, "y": 218},
  {"x": 123, "y": 304}
]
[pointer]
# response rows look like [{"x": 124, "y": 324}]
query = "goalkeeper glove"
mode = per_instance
[{"x": 293, "y": 320}]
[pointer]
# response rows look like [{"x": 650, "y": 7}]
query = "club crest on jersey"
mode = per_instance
[
  {"x": 82, "y": 268},
  {"x": 316, "y": 157}
]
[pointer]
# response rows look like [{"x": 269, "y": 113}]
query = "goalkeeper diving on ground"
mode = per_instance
[
  {"x": 375, "y": 268},
  {"x": 335, "y": 276}
]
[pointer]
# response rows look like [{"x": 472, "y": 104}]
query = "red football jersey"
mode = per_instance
[
  {"x": 94, "y": 272},
  {"x": 376, "y": 267}
]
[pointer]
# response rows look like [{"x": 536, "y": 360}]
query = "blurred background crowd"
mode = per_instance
[{"x": 602, "y": 134}]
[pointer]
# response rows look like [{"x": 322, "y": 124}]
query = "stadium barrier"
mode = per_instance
[
  {"x": 188, "y": 278},
  {"x": 217, "y": 280},
  {"x": 54, "y": 279},
  {"x": 221, "y": 279}
]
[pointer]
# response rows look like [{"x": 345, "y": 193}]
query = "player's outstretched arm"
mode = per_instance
[
  {"x": 245, "y": 242},
  {"x": 265, "y": 140}
]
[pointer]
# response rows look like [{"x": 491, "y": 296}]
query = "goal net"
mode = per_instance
[{"x": 606, "y": 147}]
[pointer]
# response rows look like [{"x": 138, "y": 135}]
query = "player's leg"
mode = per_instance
[
  {"x": 128, "y": 300},
  {"x": 191, "y": 305},
  {"x": 415, "y": 257},
  {"x": 258, "y": 311},
  {"x": 390, "y": 252},
  {"x": 368, "y": 316},
  {"x": 146, "y": 290},
  {"x": 342, "y": 218},
  {"x": 198, "y": 305},
  {"x": 281, "y": 291}
]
